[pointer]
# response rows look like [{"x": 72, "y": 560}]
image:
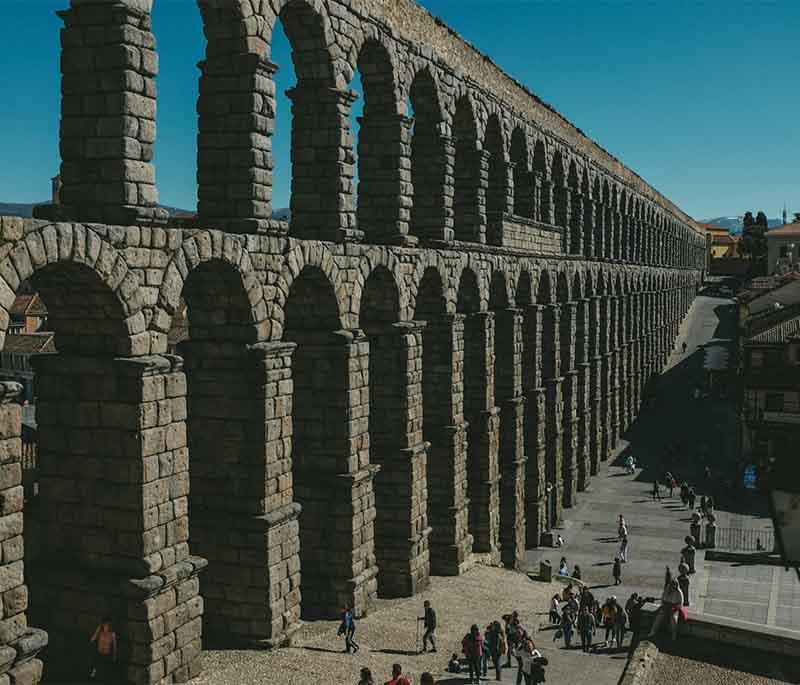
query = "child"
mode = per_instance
[
  {"x": 617, "y": 572},
  {"x": 105, "y": 648},
  {"x": 455, "y": 665},
  {"x": 555, "y": 614}
]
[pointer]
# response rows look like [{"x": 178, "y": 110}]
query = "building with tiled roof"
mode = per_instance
[
  {"x": 770, "y": 419},
  {"x": 16, "y": 355},
  {"x": 783, "y": 247},
  {"x": 28, "y": 314}
]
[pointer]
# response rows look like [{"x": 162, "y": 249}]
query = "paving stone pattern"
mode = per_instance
[{"x": 372, "y": 393}]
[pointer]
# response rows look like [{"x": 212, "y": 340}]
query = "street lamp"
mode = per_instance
[{"x": 784, "y": 497}]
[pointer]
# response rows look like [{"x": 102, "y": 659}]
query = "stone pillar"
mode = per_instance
[
  {"x": 606, "y": 383},
  {"x": 614, "y": 370},
  {"x": 509, "y": 350},
  {"x": 19, "y": 643},
  {"x": 561, "y": 203},
  {"x": 582, "y": 394},
  {"x": 576, "y": 218},
  {"x": 108, "y": 116},
  {"x": 600, "y": 229},
  {"x": 483, "y": 436},
  {"x": 234, "y": 143},
  {"x": 554, "y": 413},
  {"x": 332, "y": 475},
  {"x": 243, "y": 517},
  {"x": 471, "y": 177},
  {"x": 569, "y": 392},
  {"x": 547, "y": 205},
  {"x": 384, "y": 183},
  {"x": 396, "y": 444},
  {"x": 323, "y": 188},
  {"x": 448, "y": 506},
  {"x": 534, "y": 427},
  {"x": 595, "y": 418},
  {"x": 538, "y": 196},
  {"x": 432, "y": 208},
  {"x": 589, "y": 248},
  {"x": 112, "y": 521}
]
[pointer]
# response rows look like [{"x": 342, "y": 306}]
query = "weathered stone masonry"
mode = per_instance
[{"x": 411, "y": 373}]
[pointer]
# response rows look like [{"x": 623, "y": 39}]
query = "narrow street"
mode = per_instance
[{"x": 705, "y": 431}]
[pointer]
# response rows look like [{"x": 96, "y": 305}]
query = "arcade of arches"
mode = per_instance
[{"x": 419, "y": 368}]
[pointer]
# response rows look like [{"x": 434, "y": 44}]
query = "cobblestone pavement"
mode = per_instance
[
  {"x": 388, "y": 635},
  {"x": 760, "y": 594}
]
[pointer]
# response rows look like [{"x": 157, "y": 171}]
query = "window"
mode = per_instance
[{"x": 774, "y": 401}]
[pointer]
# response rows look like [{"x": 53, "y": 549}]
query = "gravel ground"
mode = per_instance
[
  {"x": 387, "y": 635},
  {"x": 715, "y": 664}
]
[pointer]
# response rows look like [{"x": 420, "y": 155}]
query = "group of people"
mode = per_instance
[
  {"x": 582, "y": 613},
  {"x": 397, "y": 677},
  {"x": 510, "y": 640}
]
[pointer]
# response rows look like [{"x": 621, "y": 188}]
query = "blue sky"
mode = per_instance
[{"x": 700, "y": 98}]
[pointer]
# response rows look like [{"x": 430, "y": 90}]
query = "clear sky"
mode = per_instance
[{"x": 700, "y": 98}]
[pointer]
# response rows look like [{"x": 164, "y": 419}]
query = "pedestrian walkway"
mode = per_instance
[{"x": 705, "y": 432}]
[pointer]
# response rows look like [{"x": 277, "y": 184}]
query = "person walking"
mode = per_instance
[
  {"x": 672, "y": 484},
  {"x": 623, "y": 550},
  {"x": 567, "y": 627},
  {"x": 656, "y": 491},
  {"x": 683, "y": 584},
  {"x": 622, "y": 527},
  {"x": 347, "y": 628},
  {"x": 633, "y": 608},
  {"x": 692, "y": 498},
  {"x": 619, "y": 626},
  {"x": 684, "y": 493},
  {"x": 586, "y": 628},
  {"x": 472, "y": 645},
  {"x": 609, "y": 620},
  {"x": 366, "y": 677},
  {"x": 703, "y": 504},
  {"x": 397, "y": 676},
  {"x": 492, "y": 648},
  {"x": 429, "y": 624},
  {"x": 683, "y": 347},
  {"x": 555, "y": 610},
  {"x": 616, "y": 571},
  {"x": 689, "y": 552}
]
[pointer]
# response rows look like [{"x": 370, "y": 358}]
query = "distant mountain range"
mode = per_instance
[
  {"x": 734, "y": 223},
  {"x": 26, "y": 210}
]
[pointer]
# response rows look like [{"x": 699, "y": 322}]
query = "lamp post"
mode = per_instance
[{"x": 784, "y": 500}]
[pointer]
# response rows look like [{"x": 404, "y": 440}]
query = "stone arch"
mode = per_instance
[
  {"x": 429, "y": 263},
  {"x": 558, "y": 179},
  {"x": 239, "y": 42},
  {"x": 203, "y": 249},
  {"x": 371, "y": 260},
  {"x": 544, "y": 289},
  {"x": 574, "y": 205},
  {"x": 499, "y": 291},
  {"x": 494, "y": 146},
  {"x": 523, "y": 292},
  {"x": 469, "y": 212},
  {"x": 71, "y": 266},
  {"x": 428, "y": 156},
  {"x": 380, "y": 176},
  {"x": 523, "y": 178},
  {"x": 322, "y": 440},
  {"x": 469, "y": 300},
  {"x": 304, "y": 255},
  {"x": 542, "y": 204}
]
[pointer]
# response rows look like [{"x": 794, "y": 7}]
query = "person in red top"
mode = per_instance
[
  {"x": 397, "y": 676},
  {"x": 472, "y": 644}
]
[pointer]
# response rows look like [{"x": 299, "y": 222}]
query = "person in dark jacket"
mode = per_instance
[
  {"x": 586, "y": 628},
  {"x": 429, "y": 623},
  {"x": 348, "y": 628},
  {"x": 472, "y": 645},
  {"x": 491, "y": 647}
]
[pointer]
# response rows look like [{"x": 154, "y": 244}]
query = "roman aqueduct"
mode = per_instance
[{"x": 415, "y": 371}]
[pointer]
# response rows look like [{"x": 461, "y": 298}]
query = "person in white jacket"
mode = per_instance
[
  {"x": 671, "y": 608},
  {"x": 528, "y": 654}
]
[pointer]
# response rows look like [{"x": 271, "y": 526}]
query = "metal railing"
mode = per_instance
[{"x": 745, "y": 539}]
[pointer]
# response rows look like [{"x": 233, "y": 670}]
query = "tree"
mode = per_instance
[{"x": 754, "y": 241}]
